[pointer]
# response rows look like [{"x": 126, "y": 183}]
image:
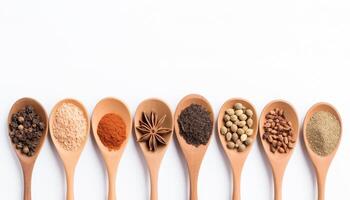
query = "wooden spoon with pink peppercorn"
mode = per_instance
[{"x": 279, "y": 161}]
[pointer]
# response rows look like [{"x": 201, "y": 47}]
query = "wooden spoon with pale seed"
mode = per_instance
[
  {"x": 27, "y": 163},
  {"x": 236, "y": 158}
]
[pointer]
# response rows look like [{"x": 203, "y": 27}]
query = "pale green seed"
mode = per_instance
[
  {"x": 235, "y": 137},
  {"x": 223, "y": 130},
  {"x": 231, "y": 145},
  {"x": 234, "y": 128},
  {"x": 238, "y": 106},
  {"x": 250, "y": 122},
  {"x": 234, "y": 118},
  {"x": 228, "y": 124},
  {"x": 230, "y": 111},
  {"x": 238, "y": 112},
  {"x": 249, "y": 113},
  {"x": 227, "y": 118},
  {"x": 245, "y": 128},
  {"x": 241, "y": 123},
  {"x": 241, "y": 148},
  {"x": 248, "y": 141},
  {"x": 249, "y": 132},
  {"x": 228, "y": 136},
  {"x": 243, "y": 137},
  {"x": 240, "y": 131},
  {"x": 243, "y": 117}
]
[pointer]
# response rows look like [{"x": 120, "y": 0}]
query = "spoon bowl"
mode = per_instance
[
  {"x": 69, "y": 158},
  {"x": 236, "y": 158},
  {"x": 321, "y": 163},
  {"x": 27, "y": 162},
  {"x": 279, "y": 161},
  {"x": 193, "y": 155},
  {"x": 154, "y": 158},
  {"x": 111, "y": 157}
]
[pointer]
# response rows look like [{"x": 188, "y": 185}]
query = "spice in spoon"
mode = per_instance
[
  {"x": 195, "y": 125},
  {"x": 152, "y": 130},
  {"x": 26, "y": 129},
  {"x": 323, "y": 133},
  {"x": 112, "y": 131},
  {"x": 278, "y": 131},
  {"x": 237, "y": 127},
  {"x": 69, "y": 126}
]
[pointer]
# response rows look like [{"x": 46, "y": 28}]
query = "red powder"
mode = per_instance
[{"x": 112, "y": 131}]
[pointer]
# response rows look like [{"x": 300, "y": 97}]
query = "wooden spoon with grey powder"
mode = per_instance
[
  {"x": 194, "y": 121},
  {"x": 69, "y": 127},
  {"x": 322, "y": 132}
]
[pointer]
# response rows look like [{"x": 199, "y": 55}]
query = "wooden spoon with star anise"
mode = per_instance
[{"x": 153, "y": 127}]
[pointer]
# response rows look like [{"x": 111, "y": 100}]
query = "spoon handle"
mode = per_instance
[
  {"x": 321, "y": 183},
  {"x": 278, "y": 178},
  {"x": 111, "y": 170},
  {"x": 236, "y": 183},
  {"x": 27, "y": 173},
  {"x": 193, "y": 173},
  {"x": 70, "y": 183},
  {"x": 154, "y": 183}
]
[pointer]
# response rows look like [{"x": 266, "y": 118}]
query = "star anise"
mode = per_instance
[{"x": 152, "y": 130}]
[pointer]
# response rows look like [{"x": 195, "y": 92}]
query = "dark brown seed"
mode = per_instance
[
  {"x": 195, "y": 125},
  {"x": 26, "y": 129}
]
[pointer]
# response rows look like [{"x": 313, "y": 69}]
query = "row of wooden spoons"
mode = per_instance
[{"x": 193, "y": 155}]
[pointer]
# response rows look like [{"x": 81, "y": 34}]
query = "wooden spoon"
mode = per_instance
[
  {"x": 236, "y": 158},
  {"x": 69, "y": 158},
  {"x": 154, "y": 158},
  {"x": 27, "y": 163},
  {"x": 277, "y": 160},
  {"x": 320, "y": 163},
  {"x": 111, "y": 157},
  {"x": 193, "y": 155}
]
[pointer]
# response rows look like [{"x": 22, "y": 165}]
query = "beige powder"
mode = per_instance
[
  {"x": 323, "y": 133},
  {"x": 69, "y": 126}
]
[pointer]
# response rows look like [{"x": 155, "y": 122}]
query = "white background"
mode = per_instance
[{"x": 132, "y": 49}]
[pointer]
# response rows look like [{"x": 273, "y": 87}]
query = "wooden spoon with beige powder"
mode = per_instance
[
  {"x": 69, "y": 127},
  {"x": 322, "y": 133}
]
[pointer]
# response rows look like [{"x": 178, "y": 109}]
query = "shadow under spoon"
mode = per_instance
[
  {"x": 320, "y": 163},
  {"x": 279, "y": 161},
  {"x": 69, "y": 158},
  {"x": 236, "y": 158},
  {"x": 154, "y": 158},
  {"x": 193, "y": 155},
  {"x": 27, "y": 163},
  {"x": 111, "y": 157}
]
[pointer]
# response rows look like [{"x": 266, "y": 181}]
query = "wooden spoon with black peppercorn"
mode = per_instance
[
  {"x": 278, "y": 160},
  {"x": 194, "y": 153},
  {"x": 26, "y": 156},
  {"x": 153, "y": 128}
]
